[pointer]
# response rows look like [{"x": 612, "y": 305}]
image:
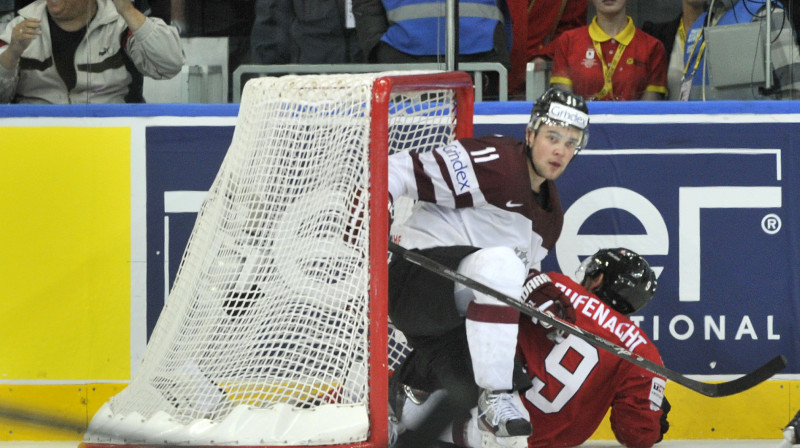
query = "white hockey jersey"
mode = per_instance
[{"x": 475, "y": 192}]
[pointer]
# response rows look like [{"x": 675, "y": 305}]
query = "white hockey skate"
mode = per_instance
[{"x": 501, "y": 419}]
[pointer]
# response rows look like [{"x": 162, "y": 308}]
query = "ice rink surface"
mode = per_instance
[{"x": 772, "y": 443}]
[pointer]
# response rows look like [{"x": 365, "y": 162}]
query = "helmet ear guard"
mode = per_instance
[
  {"x": 556, "y": 107},
  {"x": 628, "y": 281}
]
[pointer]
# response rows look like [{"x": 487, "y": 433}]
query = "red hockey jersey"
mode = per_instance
[{"x": 575, "y": 383}]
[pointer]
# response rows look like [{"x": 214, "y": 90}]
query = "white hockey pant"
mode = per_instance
[{"x": 491, "y": 324}]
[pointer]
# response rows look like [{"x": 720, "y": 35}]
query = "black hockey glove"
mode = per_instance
[
  {"x": 539, "y": 291},
  {"x": 665, "y": 408}
]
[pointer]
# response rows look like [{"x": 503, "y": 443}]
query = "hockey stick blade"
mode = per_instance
[{"x": 736, "y": 386}]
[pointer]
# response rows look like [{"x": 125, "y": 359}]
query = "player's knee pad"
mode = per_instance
[{"x": 496, "y": 267}]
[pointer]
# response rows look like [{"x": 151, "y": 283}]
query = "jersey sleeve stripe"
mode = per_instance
[
  {"x": 448, "y": 196},
  {"x": 444, "y": 196},
  {"x": 425, "y": 190},
  {"x": 481, "y": 312}
]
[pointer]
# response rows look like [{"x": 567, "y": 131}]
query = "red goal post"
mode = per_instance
[
  {"x": 275, "y": 332},
  {"x": 462, "y": 87}
]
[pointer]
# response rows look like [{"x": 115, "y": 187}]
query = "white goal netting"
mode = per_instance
[{"x": 264, "y": 337}]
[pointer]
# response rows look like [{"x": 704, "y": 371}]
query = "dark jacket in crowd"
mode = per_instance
[
  {"x": 664, "y": 31},
  {"x": 303, "y": 32}
]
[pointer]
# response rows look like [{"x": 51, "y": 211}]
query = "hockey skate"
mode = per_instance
[
  {"x": 502, "y": 419},
  {"x": 397, "y": 400},
  {"x": 398, "y": 395}
]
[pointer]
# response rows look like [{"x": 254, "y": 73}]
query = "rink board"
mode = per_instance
[{"x": 98, "y": 203}]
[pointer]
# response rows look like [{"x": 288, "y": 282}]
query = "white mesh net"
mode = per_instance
[{"x": 263, "y": 339}]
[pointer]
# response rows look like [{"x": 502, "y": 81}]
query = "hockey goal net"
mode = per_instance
[{"x": 275, "y": 330}]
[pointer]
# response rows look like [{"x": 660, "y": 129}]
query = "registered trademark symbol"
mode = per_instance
[{"x": 771, "y": 224}]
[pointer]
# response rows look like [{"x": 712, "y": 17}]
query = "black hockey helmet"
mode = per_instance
[
  {"x": 628, "y": 281},
  {"x": 556, "y": 107}
]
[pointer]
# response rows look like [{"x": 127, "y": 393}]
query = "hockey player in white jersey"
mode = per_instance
[{"x": 487, "y": 207}]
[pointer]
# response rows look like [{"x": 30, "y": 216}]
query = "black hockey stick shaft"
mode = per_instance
[
  {"x": 736, "y": 386},
  {"x": 42, "y": 418}
]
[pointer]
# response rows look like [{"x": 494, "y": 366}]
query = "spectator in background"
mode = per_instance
[
  {"x": 785, "y": 53},
  {"x": 673, "y": 35},
  {"x": 537, "y": 23},
  {"x": 413, "y": 31},
  {"x": 79, "y": 51},
  {"x": 141, "y": 5},
  {"x": 9, "y": 7},
  {"x": 610, "y": 59},
  {"x": 304, "y": 32}
]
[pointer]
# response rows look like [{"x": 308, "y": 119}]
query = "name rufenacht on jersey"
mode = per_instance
[{"x": 629, "y": 334}]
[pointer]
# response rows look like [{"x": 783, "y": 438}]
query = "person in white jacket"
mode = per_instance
[{"x": 84, "y": 51}]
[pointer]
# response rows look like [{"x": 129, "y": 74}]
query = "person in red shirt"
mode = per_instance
[
  {"x": 536, "y": 26},
  {"x": 573, "y": 383},
  {"x": 610, "y": 59}
]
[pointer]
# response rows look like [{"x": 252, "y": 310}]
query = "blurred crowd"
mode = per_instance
[{"x": 600, "y": 49}]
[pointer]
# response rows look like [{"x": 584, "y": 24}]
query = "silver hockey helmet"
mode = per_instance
[{"x": 556, "y": 107}]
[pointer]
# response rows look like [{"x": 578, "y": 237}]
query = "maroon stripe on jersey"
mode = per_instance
[
  {"x": 493, "y": 314},
  {"x": 463, "y": 200},
  {"x": 424, "y": 183}
]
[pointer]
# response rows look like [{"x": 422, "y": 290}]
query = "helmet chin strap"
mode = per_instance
[{"x": 529, "y": 153}]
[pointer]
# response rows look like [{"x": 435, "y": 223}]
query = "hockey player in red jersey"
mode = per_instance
[
  {"x": 488, "y": 208},
  {"x": 573, "y": 384}
]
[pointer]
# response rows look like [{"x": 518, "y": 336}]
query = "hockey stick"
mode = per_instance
[
  {"x": 740, "y": 384},
  {"x": 43, "y": 419}
]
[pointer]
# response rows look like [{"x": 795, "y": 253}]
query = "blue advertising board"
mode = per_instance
[
  {"x": 714, "y": 224},
  {"x": 182, "y": 162},
  {"x": 708, "y": 193}
]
